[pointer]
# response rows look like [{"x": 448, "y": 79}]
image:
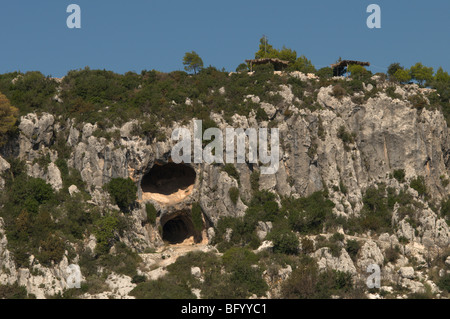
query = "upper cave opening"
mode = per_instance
[{"x": 169, "y": 183}]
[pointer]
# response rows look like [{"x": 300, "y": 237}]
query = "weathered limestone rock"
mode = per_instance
[
  {"x": 370, "y": 254},
  {"x": 73, "y": 189},
  {"x": 342, "y": 263},
  {"x": 407, "y": 272},
  {"x": 4, "y": 166}
]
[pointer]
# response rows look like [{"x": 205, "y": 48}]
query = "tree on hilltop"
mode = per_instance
[
  {"x": 192, "y": 62},
  {"x": 393, "y": 68},
  {"x": 421, "y": 73}
]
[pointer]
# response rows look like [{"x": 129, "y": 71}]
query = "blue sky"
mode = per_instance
[{"x": 154, "y": 34}]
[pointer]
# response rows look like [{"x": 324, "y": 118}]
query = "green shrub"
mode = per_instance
[
  {"x": 231, "y": 170},
  {"x": 444, "y": 283},
  {"x": 30, "y": 91},
  {"x": 418, "y": 101},
  {"x": 31, "y": 192},
  {"x": 372, "y": 93},
  {"x": 61, "y": 163},
  {"x": 394, "y": 67},
  {"x": 106, "y": 230},
  {"x": 162, "y": 288},
  {"x": 8, "y": 118},
  {"x": 337, "y": 237},
  {"x": 346, "y": 137},
  {"x": 264, "y": 68},
  {"x": 76, "y": 219},
  {"x": 325, "y": 73},
  {"x": 13, "y": 291},
  {"x": 234, "y": 194},
  {"x": 312, "y": 150},
  {"x": 262, "y": 207},
  {"x": 343, "y": 188},
  {"x": 239, "y": 255},
  {"x": 342, "y": 281},
  {"x": 390, "y": 91},
  {"x": 338, "y": 91},
  {"x": 358, "y": 99},
  {"x": 445, "y": 207},
  {"x": 243, "y": 232},
  {"x": 353, "y": 247},
  {"x": 123, "y": 191},
  {"x": 302, "y": 284},
  {"x": 444, "y": 181},
  {"x": 197, "y": 218},
  {"x": 254, "y": 180},
  {"x": 419, "y": 185},
  {"x": 43, "y": 162},
  {"x": 399, "y": 175},
  {"x": 306, "y": 282},
  {"x": 211, "y": 268},
  {"x": 333, "y": 244},
  {"x": 248, "y": 281},
  {"x": 392, "y": 254},
  {"x": 52, "y": 250},
  {"x": 307, "y": 246},
  {"x": 25, "y": 206},
  {"x": 124, "y": 261},
  {"x": 151, "y": 213},
  {"x": 243, "y": 67},
  {"x": 376, "y": 214},
  {"x": 359, "y": 72},
  {"x": 239, "y": 262},
  {"x": 284, "y": 241},
  {"x": 308, "y": 215},
  {"x": 261, "y": 114}
]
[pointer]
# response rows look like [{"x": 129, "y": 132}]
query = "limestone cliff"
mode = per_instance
[{"x": 344, "y": 146}]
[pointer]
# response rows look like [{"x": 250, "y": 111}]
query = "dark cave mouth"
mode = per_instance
[
  {"x": 168, "y": 183},
  {"x": 178, "y": 229}
]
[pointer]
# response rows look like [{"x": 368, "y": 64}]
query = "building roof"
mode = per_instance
[
  {"x": 349, "y": 62},
  {"x": 267, "y": 60}
]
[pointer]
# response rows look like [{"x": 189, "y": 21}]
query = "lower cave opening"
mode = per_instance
[
  {"x": 169, "y": 183},
  {"x": 178, "y": 229},
  {"x": 175, "y": 231}
]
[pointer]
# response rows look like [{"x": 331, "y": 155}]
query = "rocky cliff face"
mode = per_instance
[{"x": 342, "y": 144}]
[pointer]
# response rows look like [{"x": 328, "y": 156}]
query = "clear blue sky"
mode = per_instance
[{"x": 154, "y": 34}]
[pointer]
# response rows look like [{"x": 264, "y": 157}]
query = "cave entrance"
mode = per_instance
[
  {"x": 180, "y": 229},
  {"x": 169, "y": 183}
]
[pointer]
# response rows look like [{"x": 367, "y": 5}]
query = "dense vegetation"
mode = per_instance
[
  {"x": 107, "y": 98},
  {"x": 8, "y": 118},
  {"x": 123, "y": 192},
  {"x": 45, "y": 224}
]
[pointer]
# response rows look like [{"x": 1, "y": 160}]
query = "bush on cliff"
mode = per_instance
[{"x": 123, "y": 192}]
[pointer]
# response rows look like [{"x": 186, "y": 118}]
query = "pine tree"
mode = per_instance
[
  {"x": 8, "y": 117},
  {"x": 192, "y": 62}
]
